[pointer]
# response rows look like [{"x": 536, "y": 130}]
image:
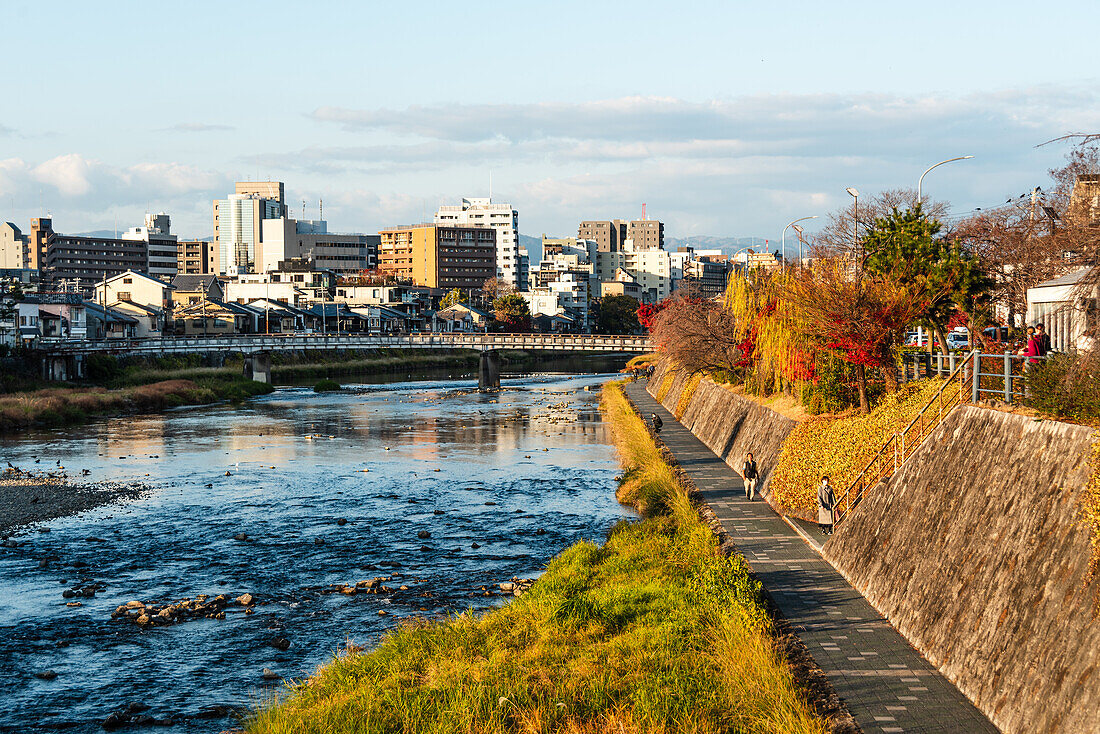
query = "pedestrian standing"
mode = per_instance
[
  {"x": 1034, "y": 349},
  {"x": 750, "y": 475},
  {"x": 1043, "y": 339},
  {"x": 826, "y": 505}
]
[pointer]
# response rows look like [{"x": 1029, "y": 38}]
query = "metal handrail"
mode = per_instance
[{"x": 898, "y": 441}]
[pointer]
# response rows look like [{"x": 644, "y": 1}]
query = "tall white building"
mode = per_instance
[
  {"x": 501, "y": 217},
  {"x": 161, "y": 245}
]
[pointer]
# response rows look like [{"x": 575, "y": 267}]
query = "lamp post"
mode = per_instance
[
  {"x": 798, "y": 229},
  {"x": 783, "y": 239},
  {"x": 949, "y": 160},
  {"x": 855, "y": 214}
]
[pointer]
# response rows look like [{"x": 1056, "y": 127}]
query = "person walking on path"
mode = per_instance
[
  {"x": 826, "y": 504},
  {"x": 657, "y": 422},
  {"x": 1034, "y": 349},
  {"x": 750, "y": 475}
]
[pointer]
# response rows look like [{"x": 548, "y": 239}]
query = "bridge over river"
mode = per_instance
[{"x": 64, "y": 358}]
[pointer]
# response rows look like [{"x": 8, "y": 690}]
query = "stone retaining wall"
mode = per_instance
[
  {"x": 729, "y": 424},
  {"x": 974, "y": 552}
]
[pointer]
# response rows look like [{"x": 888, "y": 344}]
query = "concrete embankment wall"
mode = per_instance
[
  {"x": 974, "y": 551},
  {"x": 730, "y": 425}
]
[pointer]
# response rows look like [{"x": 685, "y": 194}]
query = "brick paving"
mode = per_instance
[{"x": 885, "y": 683}]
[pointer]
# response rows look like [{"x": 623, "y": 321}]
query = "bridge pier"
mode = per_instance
[
  {"x": 488, "y": 371},
  {"x": 63, "y": 367},
  {"x": 257, "y": 366}
]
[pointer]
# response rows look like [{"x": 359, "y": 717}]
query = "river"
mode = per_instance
[{"x": 329, "y": 489}]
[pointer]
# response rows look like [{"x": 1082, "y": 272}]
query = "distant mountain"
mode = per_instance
[
  {"x": 728, "y": 245},
  {"x": 534, "y": 248}
]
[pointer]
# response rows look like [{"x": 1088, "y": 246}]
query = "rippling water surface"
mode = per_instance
[{"x": 522, "y": 474}]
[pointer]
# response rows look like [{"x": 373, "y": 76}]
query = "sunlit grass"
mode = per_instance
[{"x": 652, "y": 632}]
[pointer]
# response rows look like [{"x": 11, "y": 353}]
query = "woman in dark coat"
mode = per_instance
[{"x": 826, "y": 504}]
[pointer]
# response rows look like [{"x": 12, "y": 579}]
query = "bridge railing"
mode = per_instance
[{"x": 277, "y": 342}]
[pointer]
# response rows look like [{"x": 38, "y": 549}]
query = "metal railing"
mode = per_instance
[
  {"x": 901, "y": 445},
  {"x": 286, "y": 342}
]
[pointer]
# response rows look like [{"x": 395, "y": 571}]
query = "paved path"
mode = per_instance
[{"x": 886, "y": 684}]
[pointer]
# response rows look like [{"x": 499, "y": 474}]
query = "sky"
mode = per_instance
[{"x": 727, "y": 119}]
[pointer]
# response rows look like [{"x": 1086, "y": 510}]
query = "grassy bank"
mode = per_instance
[
  {"x": 59, "y": 406},
  {"x": 652, "y": 632}
]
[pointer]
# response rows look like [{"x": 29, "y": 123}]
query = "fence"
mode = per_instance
[{"x": 999, "y": 376}]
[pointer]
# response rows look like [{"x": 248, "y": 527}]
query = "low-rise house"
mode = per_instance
[
  {"x": 278, "y": 318},
  {"x": 151, "y": 321},
  {"x": 461, "y": 317},
  {"x": 108, "y": 323},
  {"x": 26, "y": 320},
  {"x": 337, "y": 318},
  {"x": 208, "y": 317},
  {"x": 189, "y": 289},
  {"x": 558, "y": 323},
  {"x": 136, "y": 288},
  {"x": 62, "y": 315}
]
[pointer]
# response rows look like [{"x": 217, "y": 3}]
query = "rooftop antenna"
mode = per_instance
[
  {"x": 643, "y": 211},
  {"x": 320, "y": 208},
  {"x": 303, "y": 209},
  {"x": 490, "y": 186}
]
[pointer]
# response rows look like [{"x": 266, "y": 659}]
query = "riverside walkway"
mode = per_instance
[{"x": 885, "y": 683}]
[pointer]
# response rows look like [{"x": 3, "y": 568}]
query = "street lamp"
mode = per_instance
[
  {"x": 798, "y": 228},
  {"x": 782, "y": 238},
  {"x": 921, "y": 179},
  {"x": 855, "y": 214}
]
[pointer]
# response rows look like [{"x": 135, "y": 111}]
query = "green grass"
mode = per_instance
[{"x": 652, "y": 632}]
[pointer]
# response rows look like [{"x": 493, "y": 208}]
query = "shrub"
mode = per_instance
[
  {"x": 841, "y": 446},
  {"x": 1066, "y": 386},
  {"x": 326, "y": 385}
]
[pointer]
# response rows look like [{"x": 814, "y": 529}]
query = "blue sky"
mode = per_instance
[{"x": 726, "y": 118}]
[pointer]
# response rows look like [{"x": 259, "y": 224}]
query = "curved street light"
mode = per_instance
[
  {"x": 783, "y": 240},
  {"x": 949, "y": 160}
]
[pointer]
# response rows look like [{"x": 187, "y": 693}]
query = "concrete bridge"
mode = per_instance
[{"x": 64, "y": 358}]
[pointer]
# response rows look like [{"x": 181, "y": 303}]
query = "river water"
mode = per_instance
[{"x": 330, "y": 489}]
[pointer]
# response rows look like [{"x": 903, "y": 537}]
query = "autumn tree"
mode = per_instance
[
  {"x": 494, "y": 288},
  {"x": 512, "y": 313},
  {"x": 453, "y": 297},
  {"x": 859, "y": 319},
  {"x": 700, "y": 335}
]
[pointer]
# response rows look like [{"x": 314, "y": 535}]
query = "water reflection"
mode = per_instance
[{"x": 329, "y": 489}]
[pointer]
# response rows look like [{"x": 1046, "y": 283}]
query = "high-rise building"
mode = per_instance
[
  {"x": 238, "y": 224},
  {"x": 609, "y": 235},
  {"x": 440, "y": 256},
  {"x": 646, "y": 234},
  {"x": 500, "y": 217},
  {"x": 156, "y": 234},
  {"x": 78, "y": 263}
]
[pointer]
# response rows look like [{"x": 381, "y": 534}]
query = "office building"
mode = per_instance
[
  {"x": 238, "y": 224},
  {"x": 161, "y": 245},
  {"x": 290, "y": 239},
  {"x": 440, "y": 256},
  {"x": 500, "y": 217}
]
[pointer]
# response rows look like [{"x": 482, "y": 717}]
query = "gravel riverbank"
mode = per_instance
[{"x": 27, "y": 497}]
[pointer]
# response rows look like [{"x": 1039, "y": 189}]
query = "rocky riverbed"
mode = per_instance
[{"x": 28, "y": 496}]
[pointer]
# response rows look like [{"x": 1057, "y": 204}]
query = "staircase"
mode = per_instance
[{"x": 901, "y": 445}]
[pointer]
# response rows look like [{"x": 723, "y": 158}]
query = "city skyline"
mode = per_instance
[{"x": 573, "y": 112}]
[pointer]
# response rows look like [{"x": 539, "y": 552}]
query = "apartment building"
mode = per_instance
[
  {"x": 440, "y": 256},
  {"x": 194, "y": 257},
  {"x": 612, "y": 235},
  {"x": 14, "y": 248},
  {"x": 651, "y": 269},
  {"x": 482, "y": 212},
  {"x": 77, "y": 262},
  {"x": 161, "y": 245}
]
